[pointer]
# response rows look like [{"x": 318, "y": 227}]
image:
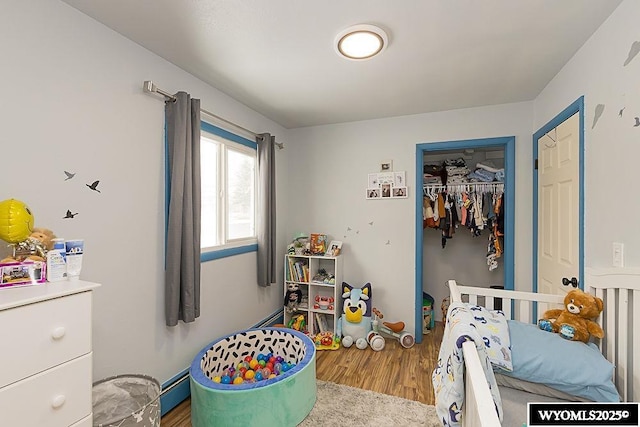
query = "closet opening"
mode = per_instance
[{"x": 470, "y": 180}]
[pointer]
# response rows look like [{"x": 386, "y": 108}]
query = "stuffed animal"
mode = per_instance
[
  {"x": 293, "y": 297},
  {"x": 355, "y": 323},
  {"x": 34, "y": 247},
  {"x": 575, "y": 321}
]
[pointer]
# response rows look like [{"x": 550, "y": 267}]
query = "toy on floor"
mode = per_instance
[
  {"x": 575, "y": 321},
  {"x": 395, "y": 330},
  {"x": 355, "y": 323},
  {"x": 326, "y": 341}
]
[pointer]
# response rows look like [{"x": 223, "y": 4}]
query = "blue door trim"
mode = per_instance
[
  {"x": 507, "y": 143},
  {"x": 576, "y": 107}
]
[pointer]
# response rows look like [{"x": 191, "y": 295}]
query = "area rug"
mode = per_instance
[{"x": 339, "y": 405}]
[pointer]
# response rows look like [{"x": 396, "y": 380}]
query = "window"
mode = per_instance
[{"x": 228, "y": 175}]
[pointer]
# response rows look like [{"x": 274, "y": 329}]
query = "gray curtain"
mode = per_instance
[
  {"x": 266, "y": 220},
  {"x": 182, "y": 271}
]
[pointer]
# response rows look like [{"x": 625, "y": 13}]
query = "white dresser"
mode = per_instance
[{"x": 45, "y": 355}]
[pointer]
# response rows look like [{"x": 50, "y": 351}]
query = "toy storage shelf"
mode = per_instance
[{"x": 306, "y": 271}]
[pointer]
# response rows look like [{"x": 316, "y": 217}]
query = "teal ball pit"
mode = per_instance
[{"x": 279, "y": 402}]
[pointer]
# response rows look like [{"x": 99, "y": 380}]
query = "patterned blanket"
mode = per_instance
[{"x": 466, "y": 322}]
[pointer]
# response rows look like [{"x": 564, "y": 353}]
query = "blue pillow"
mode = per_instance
[{"x": 569, "y": 366}]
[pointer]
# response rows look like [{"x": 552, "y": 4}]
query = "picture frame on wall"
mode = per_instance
[
  {"x": 373, "y": 193},
  {"x": 386, "y": 166},
  {"x": 399, "y": 192},
  {"x": 387, "y": 185},
  {"x": 386, "y": 190}
]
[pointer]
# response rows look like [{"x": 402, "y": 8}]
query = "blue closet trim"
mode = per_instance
[{"x": 507, "y": 143}]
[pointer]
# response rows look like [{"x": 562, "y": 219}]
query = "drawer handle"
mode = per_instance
[
  {"x": 58, "y": 332},
  {"x": 58, "y": 401}
]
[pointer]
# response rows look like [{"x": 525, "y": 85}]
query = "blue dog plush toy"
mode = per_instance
[{"x": 355, "y": 322}]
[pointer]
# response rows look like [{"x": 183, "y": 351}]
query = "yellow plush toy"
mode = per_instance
[{"x": 575, "y": 321}]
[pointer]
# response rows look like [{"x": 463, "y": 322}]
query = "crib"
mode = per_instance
[{"x": 619, "y": 289}]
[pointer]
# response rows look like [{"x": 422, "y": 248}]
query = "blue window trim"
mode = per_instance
[
  {"x": 215, "y": 130},
  {"x": 223, "y": 253},
  {"x": 207, "y": 127}
]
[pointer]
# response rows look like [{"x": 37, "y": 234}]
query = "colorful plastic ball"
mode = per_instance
[
  {"x": 277, "y": 367},
  {"x": 250, "y": 374},
  {"x": 216, "y": 379},
  {"x": 280, "y": 359},
  {"x": 272, "y": 376},
  {"x": 258, "y": 376},
  {"x": 262, "y": 363},
  {"x": 226, "y": 379},
  {"x": 273, "y": 360},
  {"x": 269, "y": 365},
  {"x": 266, "y": 372},
  {"x": 16, "y": 221},
  {"x": 248, "y": 359},
  {"x": 253, "y": 363},
  {"x": 238, "y": 380}
]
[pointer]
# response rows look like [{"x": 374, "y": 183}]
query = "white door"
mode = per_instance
[{"x": 558, "y": 206}]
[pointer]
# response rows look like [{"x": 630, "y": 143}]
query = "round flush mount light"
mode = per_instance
[{"x": 361, "y": 42}]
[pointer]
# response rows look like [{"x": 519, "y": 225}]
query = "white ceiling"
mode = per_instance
[{"x": 277, "y": 56}]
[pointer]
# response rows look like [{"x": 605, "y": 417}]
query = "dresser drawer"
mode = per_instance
[
  {"x": 39, "y": 336},
  {"x": 58, "y": 397},
  {"x": 85, "y": 422}
]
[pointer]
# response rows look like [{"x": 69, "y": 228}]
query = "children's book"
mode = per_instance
[{"x": 318, "y": 244}]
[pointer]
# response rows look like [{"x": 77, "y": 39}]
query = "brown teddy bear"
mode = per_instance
[
  {"x": 575, "y": 321},
  {"x": 34, "y": 248}
]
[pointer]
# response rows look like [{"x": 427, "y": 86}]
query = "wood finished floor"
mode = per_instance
[{"x": 398, "y": 371}]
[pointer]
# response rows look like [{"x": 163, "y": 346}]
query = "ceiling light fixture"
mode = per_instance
[{"x": 361, "y": 42}]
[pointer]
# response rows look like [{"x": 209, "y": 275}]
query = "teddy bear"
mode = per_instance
[
  {"x": 34, "y": 247},
  {"x": 575, "y": 321},
  {"x": 293, "y": 297}
]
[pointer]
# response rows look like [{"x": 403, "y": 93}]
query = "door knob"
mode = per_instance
[{"x": 573, "y": 282}]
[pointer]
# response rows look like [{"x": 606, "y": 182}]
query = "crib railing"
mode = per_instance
[
  {"x": 516, "y": 305},
  {"x": 619, "y": 288}
]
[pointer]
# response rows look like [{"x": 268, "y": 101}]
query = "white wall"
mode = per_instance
[
  {"x": 72, "y": 100},
  {"x": 329, "y": 179},
  {"x": 612, "y": 147}
]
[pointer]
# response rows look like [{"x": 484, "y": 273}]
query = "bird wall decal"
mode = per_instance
[
  {"x": 69, "y": 175},
  {"x": 69, "y": 215},
  {"x": 94, "y": 186},
  {"x": 633, "y": 51},
  {"x": 598, "y": 113},
  {"x": 637, "y": 122}
]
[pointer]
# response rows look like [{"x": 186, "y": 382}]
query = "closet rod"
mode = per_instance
[
  {"x": 150, "y": 87},
  {"x": 470, "y": 186}
]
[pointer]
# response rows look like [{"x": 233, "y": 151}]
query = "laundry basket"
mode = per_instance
[{"x": 126, "y": 401}]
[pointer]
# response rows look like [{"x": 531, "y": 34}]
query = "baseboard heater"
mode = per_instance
[{"x": 177, "y": 389}]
